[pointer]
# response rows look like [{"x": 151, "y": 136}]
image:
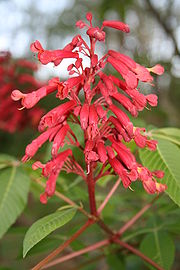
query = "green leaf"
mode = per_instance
[
  {"x": 168, "y": 131},
  {"x": 6, "y": 161},
  {"x": 114, "y": 261},
  {"x": 44, "y": 226},
  {"x": 43, "y": 246},
  {"x": 170, "y": 134},
  {"x": 166, "y": 158},
  {"x": 14, "y": 187},
  {"x": 160, "y": 248}
]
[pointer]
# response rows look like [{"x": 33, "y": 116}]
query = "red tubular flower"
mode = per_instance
[
  {"x": 95, "y": 32},
  {"x": 126, "y": 60},
  {"x": 127, "y": 104},
  {"x": 125, "y": 155},
  {"x": 152, "y": 100},
  {"x": 121, "y": 171},
  {"x": 52, "y": 170},
  {"x": 56, "y": 116},
  {"x": 157, "y": 69},
  {"x": 150, "y": 186},
  {"x": 151, "y": 144},
  {"x": 31, "y": 99},
  {"x": 92, "y": 129},
  {"x": 104, "y": 91},
  {"x": 123, "y": 119},
  {"x": 102, "y": 152},
  {"x": 59, "y": 139},
  {"x": 127, "y": 74},
  {"x": 108, "y": 83},
  {"x": 160, "y": 187},
  {"x": 101, "y": 113},
  {"x": 93, "y": 117},
  {"x": 158, "y": 174},
  {"x": 117, "y": 25},
  {"x": 84, "y": 116},
  {"x": 119, "y": 128},
  {"x": 142, "y": 73},
  {"x": 90, "y": 101},
  {"x": 46, "y": 56},
  {"x": 32, "y": 148},
  {"x": 139, "y": 139},
  {"x": 110, "y": 152}
]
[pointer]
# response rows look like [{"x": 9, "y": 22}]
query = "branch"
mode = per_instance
[
  {"x": 63, "y": 246},
  {"x": 136, "y": 217},
  {"x": 138, "y": 253},
  {"x": 113, "y": 238},
  {"x": 66, "y": 199},
  {"x": 164, "y": 26},
  {"x": 78, "y": 253},
  {"x": 101, "y": 207}
]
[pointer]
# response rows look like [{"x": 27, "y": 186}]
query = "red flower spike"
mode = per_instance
[{"x": 104, "y": 134}]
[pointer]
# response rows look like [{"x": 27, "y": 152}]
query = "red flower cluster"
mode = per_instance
[
  {"x": 16, "y": 73},
  {"x": 104, "y": 134}
]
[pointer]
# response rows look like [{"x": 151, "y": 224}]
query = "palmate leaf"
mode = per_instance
[
  {"x": 160, "y": 248},
  {"x": 158, "y": 245},
  {"x": 44, "y": 226},
  {"x": 14, "y": 187},
  {"x": 170, "y": 134},
  {"x": 166, "y": 158}
]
